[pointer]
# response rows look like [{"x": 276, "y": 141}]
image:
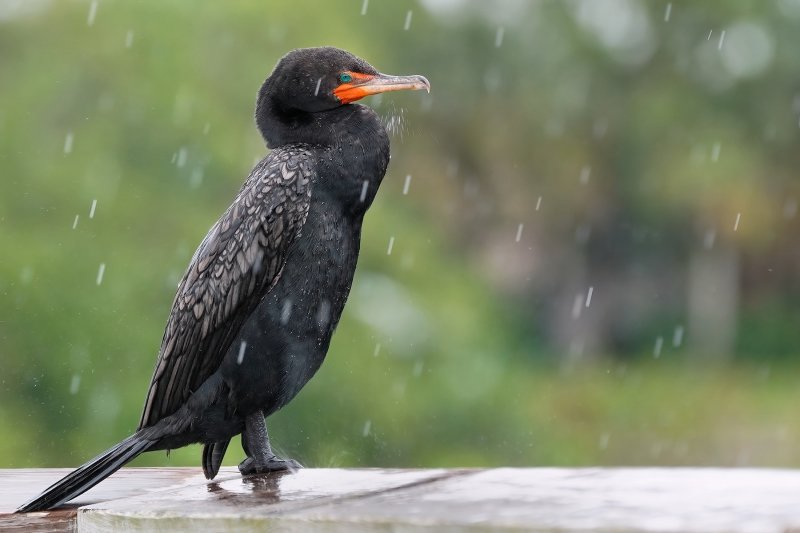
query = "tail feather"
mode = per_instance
[
  {"x": 213, "y": 453},
  {"x": 90, "y": 474}
]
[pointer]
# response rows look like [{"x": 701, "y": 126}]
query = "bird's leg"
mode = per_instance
[{"x": 255, "y": 442}]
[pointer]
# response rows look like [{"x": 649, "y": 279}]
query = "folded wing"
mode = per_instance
[{"x": 238, "y": 262}]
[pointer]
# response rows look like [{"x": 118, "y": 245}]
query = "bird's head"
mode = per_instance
[{"x": 313, "y": 80}]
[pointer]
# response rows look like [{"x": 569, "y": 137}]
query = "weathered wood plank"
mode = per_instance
[
  {"x": 370, "y": 500},
  {"x": 19, "y": 485}
]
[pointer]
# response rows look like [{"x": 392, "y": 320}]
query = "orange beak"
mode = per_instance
[{"x": 367, "y": 84}]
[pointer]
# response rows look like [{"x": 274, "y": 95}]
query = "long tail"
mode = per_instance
[{"x": 90, "y": 474}]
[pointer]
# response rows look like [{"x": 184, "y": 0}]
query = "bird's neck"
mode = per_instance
[
  {"x": 352, "y": 147},
  {"x": 281, "y": 125}
]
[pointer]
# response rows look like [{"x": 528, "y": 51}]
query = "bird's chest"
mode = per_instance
[
  {"x": 286, "y": 339},
  {"x": 352, "y": 171},
  {"x": 318, "y": 278}
]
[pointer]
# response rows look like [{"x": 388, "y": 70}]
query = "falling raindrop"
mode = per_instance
[
  {"x": 498, "y": 38},
  {"x": 367, "y": 428},
  {"x": 668, "y": 12},
  {"x": 75, "y": 384},
  {"x": 323, "y": 314},
  {"x": 258, "y": 261},
  {"x": 589, "y": 296},
  {"x": 708, "y": 240},
  {"x": 183, "y": 153},
  {"x": 407, "y": 24},
  {"x": 364, "y": 187},
  {"x": 715, "y": 151},
  {"x": 75, "y": 222},
  {"x": 604, "y": 439},
  {"x": 586, "y": 171},
  {"x": 129, "y": 39},
  {"x": 377, "y": 350},
  {"x": 721, "y": 40},
  {"x": 364, "y": 7},
  {"x": 677, "y": 336},
  {"x": 286, "y": 311},
  {"x": 242, "y": 349},
  {"x": 68, "y": 143},
  {"x": 91, "y": 210},
  {"x": 316, "y": 89},
  {"x": 100, "y": 272},
  {"x": 736, "y": 224},
  {"x": 709, "y": 35},
  {"x": 577, "y": 305},
  {"x": 657, "y": 348},
  {"x": 407, "y": 184},
  {"x": 196, "y": 178},
  {"x": 391, "y": 245},
  {"x": 538, "y": 203},
  {"x": 418, "y": 366},
  {"x": 92, "y": 13}
]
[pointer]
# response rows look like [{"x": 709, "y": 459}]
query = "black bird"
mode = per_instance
[{"x": 255, "y": 311}]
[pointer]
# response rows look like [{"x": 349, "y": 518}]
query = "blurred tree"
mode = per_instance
[{"x": 602, "y": 180}]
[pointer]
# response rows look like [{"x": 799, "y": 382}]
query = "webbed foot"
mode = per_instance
[
  {"x": 260, "y": 458},
  {"x": 273, "y": 464}
]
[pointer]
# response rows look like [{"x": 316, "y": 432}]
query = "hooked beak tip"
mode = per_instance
[{"x": 425, "y": 84}]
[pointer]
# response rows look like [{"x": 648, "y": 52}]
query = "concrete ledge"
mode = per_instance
[{"x": 371, "y": 500}]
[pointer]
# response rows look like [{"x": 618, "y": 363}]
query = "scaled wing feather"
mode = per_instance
[{"x": 239, "y": 260}]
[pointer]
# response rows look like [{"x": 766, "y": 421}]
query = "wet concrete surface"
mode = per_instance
[{"x": 527, "y": 499}]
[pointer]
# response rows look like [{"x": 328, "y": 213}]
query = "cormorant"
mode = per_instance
[{"x": 254, "y": 313}]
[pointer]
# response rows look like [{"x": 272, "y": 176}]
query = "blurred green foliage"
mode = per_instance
[{"x": 631, "y": 149}]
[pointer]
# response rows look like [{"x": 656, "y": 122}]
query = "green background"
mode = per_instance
[{"x": 648, "y": 157}]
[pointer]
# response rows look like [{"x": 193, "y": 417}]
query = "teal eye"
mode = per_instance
[{"x": 345, "y": 78}]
